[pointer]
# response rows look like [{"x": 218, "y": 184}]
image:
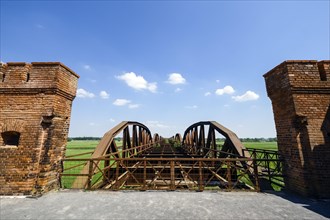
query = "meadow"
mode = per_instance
[
  {"x": 76, "y": 147},
  {"x": 261, "y": 145}
]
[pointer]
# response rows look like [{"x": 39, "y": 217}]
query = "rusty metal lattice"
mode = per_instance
[
  {"x": 167, "y": 174},
  {"x": 194, "y": 162}
]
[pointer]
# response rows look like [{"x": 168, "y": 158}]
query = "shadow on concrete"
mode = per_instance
[{"x": 320, "y": 206}]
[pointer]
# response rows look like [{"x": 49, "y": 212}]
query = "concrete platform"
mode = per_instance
[{"x": 71, "y": 204}]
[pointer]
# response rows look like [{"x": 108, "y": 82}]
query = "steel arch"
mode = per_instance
[
  {"x": 195, "y": 141},
  {"x": 107, "y": 147},
  {"x": 156, "y": 137},
  {"x": 178, "y": 137}
]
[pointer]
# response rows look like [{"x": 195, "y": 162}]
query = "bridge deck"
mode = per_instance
[{"x": 165, "y": 151}]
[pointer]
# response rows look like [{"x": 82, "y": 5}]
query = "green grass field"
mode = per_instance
[
  {"x": 75, "y": 147},
  {"x": 261, "y": 145},
  {"x": 78, "y": 147}
]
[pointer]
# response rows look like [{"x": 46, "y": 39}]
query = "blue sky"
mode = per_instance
[{"x": 167, "y": 64}]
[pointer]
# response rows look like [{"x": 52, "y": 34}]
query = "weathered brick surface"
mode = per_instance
[
  {"x": 35, "y": 100},
  {"x": 300, "y": 94}
]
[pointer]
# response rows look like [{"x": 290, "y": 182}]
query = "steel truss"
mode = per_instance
[{"x": 195, "y": 162}]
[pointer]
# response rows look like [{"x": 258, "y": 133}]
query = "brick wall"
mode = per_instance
[
  {"x": 35, "y": 102},
  {"x": 300, "y": 95}
]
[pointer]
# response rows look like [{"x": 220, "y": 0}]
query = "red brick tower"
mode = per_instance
[
  {"x": 300, "y": 95},
  {"x": 35, "y": 108}
]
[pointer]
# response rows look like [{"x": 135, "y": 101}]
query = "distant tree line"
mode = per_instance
[
  {"x": 218, "y": 139},
  {"x": 84, "y": 138}
]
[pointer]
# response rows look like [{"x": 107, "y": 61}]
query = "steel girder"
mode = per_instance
[
  {"x": 178, "y": 137},
  {"x": 107, "y": 147},
  {"x": 141, "y": 135},
  {"x": 196, "y": 141},
  {"x": 199, "y": 139},
  {"x": 156, "y": 137}
]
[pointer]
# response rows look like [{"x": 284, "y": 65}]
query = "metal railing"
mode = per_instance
[
  {"x": 270, "y": 165},
  {"x": 161, "y": 173},
  {"x": 113, "y": 172}
]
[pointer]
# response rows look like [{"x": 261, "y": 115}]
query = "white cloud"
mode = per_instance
[
  {"x": 121, "y": 102},
  {"x": 133, "y": 106},
  {"x": 104, "y": 95},
  {"x": 137, "y": 82},
  {"x": 40, "y": 26},
  {"x": 87, "y": 67},
  {"x": 92, "y": 80},
  {"x": 217, "y": 81},
  {"x": 112, "y": 120},
  {"x": 226, "y": 90},
  {"x": 226, "y": 106},
  {"x": 155, "y": 124},
  {"x": 152, "y": 87},
  {"x": 92, "y": 124},
  {"x": 81, "y": 93},
  {"x": 248, "y": 96},
  {"x": 191, "y": 107},
  {"x": 176, "y": 78},
  {"x": 178, "y": 90},
  {"x": 207, "y": 94}
]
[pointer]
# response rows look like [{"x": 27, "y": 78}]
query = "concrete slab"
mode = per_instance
[{"x": 71, "y": 204}]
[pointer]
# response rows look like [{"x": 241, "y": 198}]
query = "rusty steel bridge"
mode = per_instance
[{"x": 129, "y": 157}]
